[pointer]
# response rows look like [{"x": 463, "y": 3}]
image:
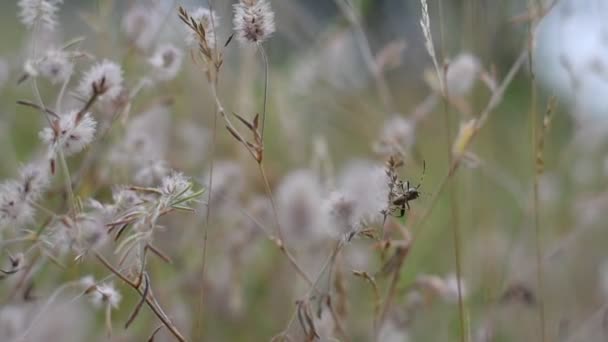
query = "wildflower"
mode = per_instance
[
  {"x": 253, "y": 21},
  {"x": 398, "y": 136},
  {"x": 54, "y": 65},
  {"x": 106, "y": 78},
  {"x": 341, "y": 214},
  {"x": 209, "y": 21},
  {"x": 367, "y": 185},
  {"x": 461, "y": 74},
  {"x": 71, "y": 132},
  {"x": 84, "y": 233},
  {"x": 42, "y": 11},
  {"x": 150, "y": 171},
  {"x": 299, "y": 199},
  {"x": 141, "y": 25},
  {"x": 15, "y": 209},
  {"x": 176, "y": 184},
  {"x": 166, "y": 62},
  {"x": 103, "y": 294},
  {"x": 34, "y": 179}
]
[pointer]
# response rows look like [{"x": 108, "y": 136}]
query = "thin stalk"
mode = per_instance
[
  {"x": 456, "y": 235},
  {"x": 537, "y": 224},
  {"x": 68, "y": 181},
  {"x": 280, "y": 242},
  {"x": 150, "y": 300},
  {"x": 64, "y": 86},
  {"x": 265, "y": 58},
  {"x": 359, "y": 34}
]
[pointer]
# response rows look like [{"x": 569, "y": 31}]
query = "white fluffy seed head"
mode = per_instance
[
  {"x": 84, "y": 233},
  {"x": 166, "y": 62},
  {"x": 398, "y": 136},
  {"x": 461, "y": 74},
  {"x": 72, "y": 132},
  {"x": 299, "y": 202},
  {"x": 106, "y": 75},
  {"x": 39, "y": 11},
  {"x": 341, "y": 213},
  {"x": 176, "y": 184},
  {"x": 15, "y": 209},
  {"x": 105, "y": 294},
  {"x": 34, "y": 179},
  {"x": 141, "y": 25},
  {"x": 55, "y": 65},
  {"x": 253, "y": 21},
  {"x": 367, "y": 184}
]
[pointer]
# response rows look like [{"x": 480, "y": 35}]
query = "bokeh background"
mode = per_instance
[{"x": 324, "y": 113}]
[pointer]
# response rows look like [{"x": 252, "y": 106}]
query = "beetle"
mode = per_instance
[{"x": 408, "y": 193}]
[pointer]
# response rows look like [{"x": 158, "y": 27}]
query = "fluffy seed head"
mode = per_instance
[
  {"x": 55, "y": 65},
  {"x": 367, "y": 184},
  {"x": 105, "y": 294},
  {"x": 398, "y": 136},
  {"x": 299, "y": 200},
  {"x": 42, "y": 11},
  {"x": 141, "y": 25},
  {"x": 72, "y": 132},
  {"x": 341, "y": 214},
  {"x": 15, "y": 209},
  {"x": 106, "y": 76},
  {"x": 253, "y": 21},
  {"x": 166, "y": 61},
  {"x": 34, "y": 179},
  {"x": 461, "y": 74}
]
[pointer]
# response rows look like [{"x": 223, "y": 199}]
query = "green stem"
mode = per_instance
[{"x": 68, "y": 182}]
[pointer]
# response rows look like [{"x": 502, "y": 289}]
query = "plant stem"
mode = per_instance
[
  {"x": 537, "y": 227},
  {"x": 265, "y": 58},
  {"x": 68, "y": 182}
]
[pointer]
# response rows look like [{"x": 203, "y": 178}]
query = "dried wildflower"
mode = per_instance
[
  {"x": 106, "y": 77},
  {"x": 461, "y": 74},
  {"x": 141, "y": 25},
  {"x": 55, "y": 65},
  {"x": 39, "y": 11},
  {"x": 166, "y": 62},
  {"x": 253, "y": 21},
  {"x": 299, "y": 199},
  {"x": 71, "y": 132},
  {"x": 398, "y": 136}
]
